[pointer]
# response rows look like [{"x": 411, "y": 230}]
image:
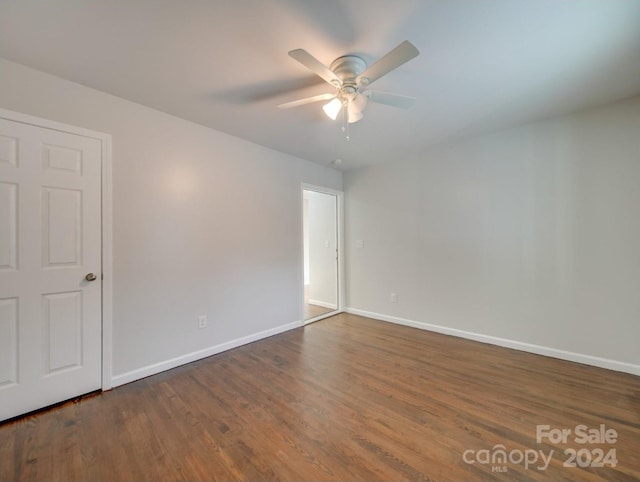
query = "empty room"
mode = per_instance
[{"x": 296, "y": 240}]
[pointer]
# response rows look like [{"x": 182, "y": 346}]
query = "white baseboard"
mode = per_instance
[
  {"x": 149, "y": 370},
  {"x": 516, "y": 345},
  {"x": 324, "y": 304}
]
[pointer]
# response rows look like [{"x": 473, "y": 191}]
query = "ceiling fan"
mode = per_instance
[{"x": 350, "y": 75}]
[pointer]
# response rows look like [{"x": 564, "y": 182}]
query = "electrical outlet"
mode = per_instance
[
  {"x": 202, "y": 321},
  {"x": 394, "y": 297}
]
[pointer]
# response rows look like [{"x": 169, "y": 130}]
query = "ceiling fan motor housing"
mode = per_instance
[{"x": 348, "y": 68}]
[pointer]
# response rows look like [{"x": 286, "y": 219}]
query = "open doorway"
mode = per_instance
[{"x": 321, "y": 241}]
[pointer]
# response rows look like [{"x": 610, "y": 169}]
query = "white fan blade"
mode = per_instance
[
  {"x": 394, "y": 59},
  {"x": 315, "y": 66},
  {"x": 387, "y": 98},
  {"x": 307, "y": 100}
]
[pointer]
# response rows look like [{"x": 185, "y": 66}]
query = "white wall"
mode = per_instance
[
  {"x": 322, "y": 244},
  {"x": 204, "y": 223},
  {"x": 532, "y": 235}
]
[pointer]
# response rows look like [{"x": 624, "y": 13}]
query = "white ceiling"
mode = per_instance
[{"x": 484, "y": 64}]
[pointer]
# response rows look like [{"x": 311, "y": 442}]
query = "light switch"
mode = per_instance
[
  {"x": 359, "y": 243},
  {"x": 326, "y": 243}
]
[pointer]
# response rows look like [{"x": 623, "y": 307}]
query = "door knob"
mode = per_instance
[{"x": 90, "y": 277}]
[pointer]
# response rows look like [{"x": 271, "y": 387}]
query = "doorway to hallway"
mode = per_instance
[{"x": 322, "y": 253}]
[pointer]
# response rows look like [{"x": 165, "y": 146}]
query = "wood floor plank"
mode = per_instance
[{"x": 346, "y": 398}]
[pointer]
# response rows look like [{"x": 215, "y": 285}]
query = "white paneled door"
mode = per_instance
[{"x": 50, "y": 267}]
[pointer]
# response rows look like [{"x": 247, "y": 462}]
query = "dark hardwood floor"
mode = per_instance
[{"x": 346, "y": 398}]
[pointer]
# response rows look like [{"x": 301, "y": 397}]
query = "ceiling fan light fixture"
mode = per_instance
[
  {"x": 354, "y": 116},
  {"x": 359, "y": 102},
  {"x": 332, "y": 109}
]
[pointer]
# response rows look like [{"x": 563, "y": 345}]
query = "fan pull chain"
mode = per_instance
[{"x": 345, "y": 120}]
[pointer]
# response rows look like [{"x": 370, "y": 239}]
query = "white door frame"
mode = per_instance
[
  {"x": 340, "y": 231},
  {"x": 107, "y": 222}
]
